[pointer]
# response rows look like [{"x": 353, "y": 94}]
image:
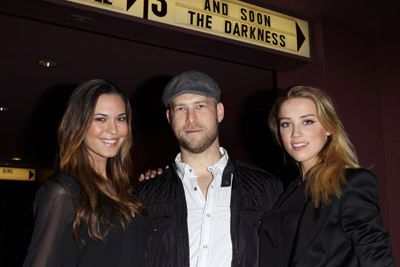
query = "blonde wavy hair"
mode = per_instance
[
  {"x": 325, "y": 178},
  {"x": 99, "y": 203}
]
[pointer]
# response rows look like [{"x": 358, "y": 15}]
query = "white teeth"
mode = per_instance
[
  {"x": 109, "y": 141},
  {"x": 299, "y": 145}
]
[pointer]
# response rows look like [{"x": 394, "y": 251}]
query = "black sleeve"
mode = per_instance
[
  {"x": 54, "y": 211},
  {"x": 362, "y": 219}
]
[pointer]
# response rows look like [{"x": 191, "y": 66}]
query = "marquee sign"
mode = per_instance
[
  {"x": 231, "y": 19},
  {"x": 17, "y": 174}
]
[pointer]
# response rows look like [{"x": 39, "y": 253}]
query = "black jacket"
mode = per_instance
[
  {"x": 254, "y": 191},
  {"x": 348, "y": 232}
]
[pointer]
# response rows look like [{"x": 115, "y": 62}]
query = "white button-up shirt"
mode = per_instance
[{"x": 209, "y": 220}]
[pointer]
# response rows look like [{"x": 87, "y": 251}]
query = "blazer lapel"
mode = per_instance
[
  {"x": 293, "y": 207},
  {"x": 311, "y": 222},
  {"x": 281, "y": 223}
]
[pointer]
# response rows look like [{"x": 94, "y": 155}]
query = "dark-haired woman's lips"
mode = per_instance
[{"x": 109, "y": 141}]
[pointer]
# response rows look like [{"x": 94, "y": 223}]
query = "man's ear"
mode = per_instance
[
  {"x": 167, "y": 113},
  {"x": 220, "y": 112}
]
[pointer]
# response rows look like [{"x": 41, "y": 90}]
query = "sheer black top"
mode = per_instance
[{"x": 52, "y": 241}]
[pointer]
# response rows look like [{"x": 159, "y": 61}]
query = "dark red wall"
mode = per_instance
[
  {"x": 389, "y": 88},
  {"x": 359, "y": 69}
]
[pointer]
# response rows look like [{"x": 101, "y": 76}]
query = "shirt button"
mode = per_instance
[
  {"x": 211, "y": 186},
  {"x": 208, "y": 215},
  {"x": 190, "y": 170},
  {"x": 195, "y": 189},
  {"x": 205, "y": 246}
]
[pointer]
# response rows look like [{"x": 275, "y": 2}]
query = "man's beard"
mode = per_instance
[{"x": 198, "y": 145}]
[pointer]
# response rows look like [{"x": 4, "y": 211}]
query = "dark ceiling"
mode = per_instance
[{"x": 34, "y": 30}]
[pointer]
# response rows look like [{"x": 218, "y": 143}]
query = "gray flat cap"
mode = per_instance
[{"x": 190, "y": 82}]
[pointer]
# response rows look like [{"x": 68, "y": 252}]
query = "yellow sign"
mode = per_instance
[
  {"x": 17, "y": 174},
  {"x": 230, "y": 19}
]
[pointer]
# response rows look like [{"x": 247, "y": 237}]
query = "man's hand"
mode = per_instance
[{"x": 151, "y": 174}]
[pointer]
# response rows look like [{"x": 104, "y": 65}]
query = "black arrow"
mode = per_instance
[
  {"x": 300, "y": 37},
  {"x": 129, "y": 4},
  {"x": 31, "y": 174}
]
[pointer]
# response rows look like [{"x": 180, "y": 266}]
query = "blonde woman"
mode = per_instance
[
  {"x": 328, "y": 216},
  {"x": 87, "y": 214}
]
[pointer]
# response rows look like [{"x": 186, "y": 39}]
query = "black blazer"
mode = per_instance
[{"x": 348, "y": 232}]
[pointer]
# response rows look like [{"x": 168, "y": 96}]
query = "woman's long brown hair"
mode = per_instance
[{"x": 100, "y": 203}]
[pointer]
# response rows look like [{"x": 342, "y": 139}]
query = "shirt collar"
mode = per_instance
[{"x": 217, "y": 168}]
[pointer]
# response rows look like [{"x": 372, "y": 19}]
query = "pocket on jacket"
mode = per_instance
[
  {"x": 252, "y": 209},
  {"x": 159, "y": 222},
  {"x": 160, "y": 248}
]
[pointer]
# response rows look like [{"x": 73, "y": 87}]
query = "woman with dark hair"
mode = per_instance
[
  {"x": 88, "y": 214},
  {"x": 328, "y": 216}
]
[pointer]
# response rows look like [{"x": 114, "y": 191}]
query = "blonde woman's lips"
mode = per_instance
[{"x": 299, "y": 146}]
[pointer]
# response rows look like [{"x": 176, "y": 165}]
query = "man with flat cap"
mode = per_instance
[{"x": 204, "y": 210}]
